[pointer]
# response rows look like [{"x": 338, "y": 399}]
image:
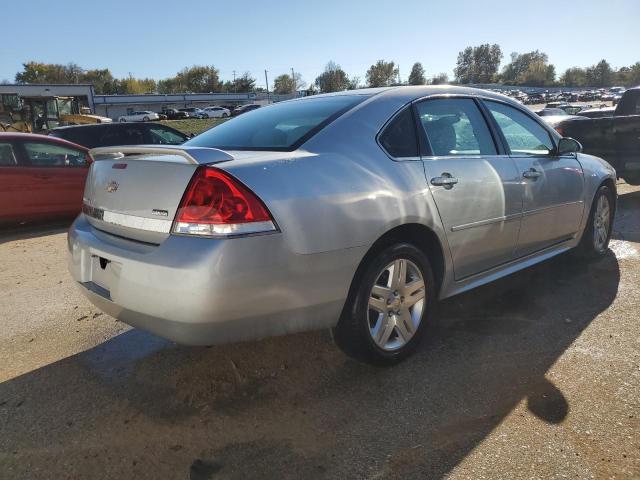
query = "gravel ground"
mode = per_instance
[{"x": 535, "y": 376}]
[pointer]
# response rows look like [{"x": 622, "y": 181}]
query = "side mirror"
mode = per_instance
[{"x": 568, "y": 145}]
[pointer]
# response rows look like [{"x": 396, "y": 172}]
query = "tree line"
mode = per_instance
[
  {"x": 475, "y": 65},
  {"x": 481, "y": 64}
]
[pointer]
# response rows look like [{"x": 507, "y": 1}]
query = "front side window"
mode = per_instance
[
  {"x": 523, "y": 134},
  {"x": 7, "y": 155},
  {"x": 280, "y": 126},
  {"x": 455, "y": 127},
  {"x": 399, "y": 137},
  {"x": 51, "y": 155}
]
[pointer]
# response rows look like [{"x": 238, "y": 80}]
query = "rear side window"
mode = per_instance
[
  {"x": 164, "y": 136},
  {"x": 85, "y": 136},
  {"x": 281, "y": 126},
  {"x": 7, "y": 155},
  {"x": 399, "y": 137},
  {"x": 127, "y": 135},
  {"x": 455, "y": 127},
  {"x": 523, "y": 134},
  {"x": 51, "y": 155}
]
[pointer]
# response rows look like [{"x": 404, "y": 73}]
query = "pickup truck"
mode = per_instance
[{"x": 612, "y": 134}]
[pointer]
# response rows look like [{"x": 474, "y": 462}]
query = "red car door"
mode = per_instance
[{"x": 58, "y": 172}]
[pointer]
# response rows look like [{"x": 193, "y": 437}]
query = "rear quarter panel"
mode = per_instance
[{"x": 340, "y": 190}]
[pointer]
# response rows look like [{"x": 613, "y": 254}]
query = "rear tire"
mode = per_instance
[
  {"x": 122, "y": 120},
  {"x": 390, "y": 306},
  {"x": 632, "y": 179},
  {"x": 597, "y": 233}
]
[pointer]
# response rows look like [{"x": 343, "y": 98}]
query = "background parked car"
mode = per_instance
[
  {"x": 97, "y": 135},
  {"x": 174, "y": 114},
  {"x": 611, "y": 133},
  {"x": 140, "y": 116},
  {"x": 40, "y": 177},
  {"x": 193, "y": 112},
  {"x": 244, "y": 108},
  {"x": 216, "y": 112}
]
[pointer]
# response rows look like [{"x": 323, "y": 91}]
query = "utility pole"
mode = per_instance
[
  {"x": 293, "y": 77},
  {"x": 235, "y": 86},
  {"x": 266, "y": 81}
]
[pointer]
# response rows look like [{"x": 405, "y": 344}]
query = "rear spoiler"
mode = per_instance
[{"x": 192, "y": 155}]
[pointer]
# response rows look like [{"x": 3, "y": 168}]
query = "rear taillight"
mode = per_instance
[{"x": 216, "y": 204}]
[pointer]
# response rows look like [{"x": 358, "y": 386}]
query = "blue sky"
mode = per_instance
[{"x": 157, "y": 38}]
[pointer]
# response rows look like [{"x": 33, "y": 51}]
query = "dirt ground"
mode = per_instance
[{"x": 535, "y": 376}]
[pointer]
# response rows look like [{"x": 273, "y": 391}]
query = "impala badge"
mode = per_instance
[{"x": 112, "y": 186}]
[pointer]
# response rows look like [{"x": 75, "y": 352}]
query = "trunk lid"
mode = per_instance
[{"x": 137, "y": 196}]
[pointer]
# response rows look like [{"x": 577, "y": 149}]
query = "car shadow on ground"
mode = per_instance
[
  {"x": 138, "y": 406},
  {"x": 10, "y": 233}
]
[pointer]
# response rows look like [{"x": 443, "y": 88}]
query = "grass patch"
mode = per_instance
[{"x": 193, "y": 125}]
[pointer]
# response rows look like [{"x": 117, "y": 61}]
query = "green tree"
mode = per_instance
[
  {"x": 478, "y": 64},
  {"x": 439, "y": 79},
  {"x": 600, "y": 75},
  {"x": 354, "y": 83},
  {"x": 416, "y": 77},
  {"x": 382, "y": 74},
  {"x": 283, "y": 84},
  {"x": 574, "y": 77},
  {"x": 101, "y": 79},
  {"x": 199, "y": 79},
  {"x": 333, "y": 79},
  {"x": 531, "y": 68},
  {"x": 628, "y": 76},
  {"x": 245, "y": 83}
]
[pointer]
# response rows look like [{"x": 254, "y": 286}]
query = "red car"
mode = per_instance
[{"x": 41, "y": 177}]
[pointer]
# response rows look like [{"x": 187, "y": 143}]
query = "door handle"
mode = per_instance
[
  {"x": 446, "y": 180},
  {"x": 43, "y": 177},
  {"x": 531, "y": 173}
]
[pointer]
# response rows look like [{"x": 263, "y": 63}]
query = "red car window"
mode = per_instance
[{"x": 46, "y": 154}]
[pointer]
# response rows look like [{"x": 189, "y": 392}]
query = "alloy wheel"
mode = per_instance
[
  {"x": 396, "y": 303},
  {"x": 601, "y": 223}
]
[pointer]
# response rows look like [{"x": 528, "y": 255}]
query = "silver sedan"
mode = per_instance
[{"x": 355, "y": 211}]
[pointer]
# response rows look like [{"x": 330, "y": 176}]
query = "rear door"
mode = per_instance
[
  {"x": 56, "y": 175},
  {"x": 474, "y": 184},
  {"x": 553, "y": 186}
]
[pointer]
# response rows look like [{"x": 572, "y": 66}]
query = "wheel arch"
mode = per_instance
[{"x": 419, "y": 235}]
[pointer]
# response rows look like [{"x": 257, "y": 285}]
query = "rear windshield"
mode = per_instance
[{"x": 282, "y": 126}]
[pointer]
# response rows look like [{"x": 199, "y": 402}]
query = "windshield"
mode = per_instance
[{"x": 282, "y": 126}]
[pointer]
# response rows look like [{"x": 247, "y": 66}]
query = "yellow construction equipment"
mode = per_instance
[{"x": 39, "y": 114}]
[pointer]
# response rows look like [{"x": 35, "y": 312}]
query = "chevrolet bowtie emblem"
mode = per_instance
[{"x": 112, "y": 186}]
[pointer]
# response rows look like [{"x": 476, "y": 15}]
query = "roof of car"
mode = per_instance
[
  {"x": 37, "y": 136},
  {"x": 413, "y": 92}
]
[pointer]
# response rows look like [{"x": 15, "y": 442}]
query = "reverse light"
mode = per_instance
[{"x": 216, "y": 204}]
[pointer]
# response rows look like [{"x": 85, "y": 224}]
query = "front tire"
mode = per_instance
[
  {"x": 597, "y": 234},
  {"x": 145, "y": 119},
  {"x": 123, "y": 120},
  {"x": 390, "y": 307}
]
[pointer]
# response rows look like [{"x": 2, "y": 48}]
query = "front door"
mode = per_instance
[
  {"x": 475, "y": 187},
  {"x": 553, "y": 186}
]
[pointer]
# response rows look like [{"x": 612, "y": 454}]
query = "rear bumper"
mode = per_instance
[{"x": 207, "y": 291}]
